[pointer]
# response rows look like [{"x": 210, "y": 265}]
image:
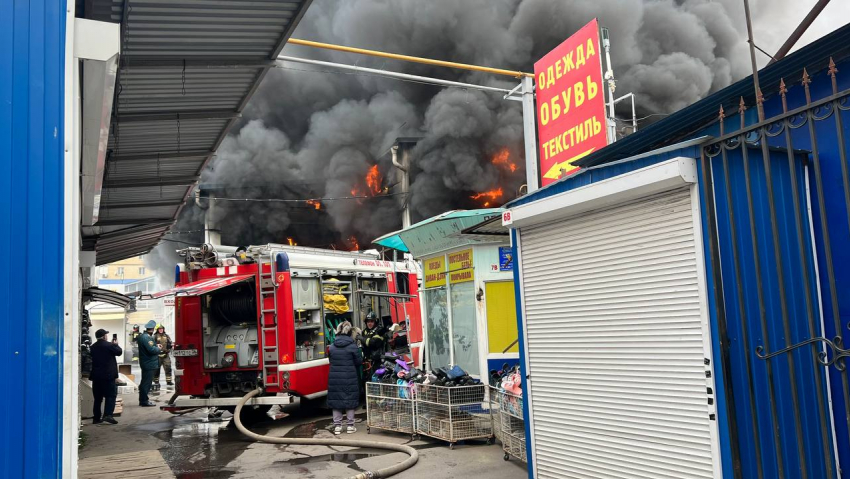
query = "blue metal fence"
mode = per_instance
[
  {"x": 778, "y": 203},
  {"x": 32, "y": 36}
]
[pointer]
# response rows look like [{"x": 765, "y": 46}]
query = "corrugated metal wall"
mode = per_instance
[
  {"x": 32, "y": 39},
  {"x": 780, "y": 430},
  {"x": 775, "y": 430},
  {"x": 595, "y": 175}
]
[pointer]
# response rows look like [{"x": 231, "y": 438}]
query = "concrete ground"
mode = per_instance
[{"x": 196, "y": 446}]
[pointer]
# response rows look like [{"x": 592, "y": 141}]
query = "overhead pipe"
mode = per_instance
[
  {"x": 749, "y": 20},
  {"x": 396, "y": 56},
  {"x": 212, "y": 234},
  {"x": 799, "y": 31},
  {"x": 404, "y": 167},
  {"x": 389, "y": 74}
]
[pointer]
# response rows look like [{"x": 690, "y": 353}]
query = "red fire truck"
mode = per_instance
[{"x": 263, "y": 316}]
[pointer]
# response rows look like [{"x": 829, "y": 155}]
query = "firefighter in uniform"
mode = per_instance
[
  {"x": 148, "y": 361},
  {"x": 163, "y": 340},
  {"x": 373, "y": 342},
  {"x": 134, "y": 336}
]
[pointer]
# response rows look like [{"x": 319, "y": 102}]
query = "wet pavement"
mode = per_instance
[{"x": 195, "y": 445}]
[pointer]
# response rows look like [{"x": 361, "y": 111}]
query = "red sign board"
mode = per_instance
[{"x": 570, "y": 103}]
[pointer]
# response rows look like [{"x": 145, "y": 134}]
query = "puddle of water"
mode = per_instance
[
  {"x": 202, "y": 448},
  {"x": 349, "y": 458},
  {"x": 199, "y": 447},
  {"x": 310, "y": 429},
  {"x": 342, "y": 457}
]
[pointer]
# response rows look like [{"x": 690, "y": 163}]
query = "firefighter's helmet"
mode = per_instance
[
  {"x": 160, "y": 326},
  {"x": 136, "y": 328},
  {"x": 371, "y": 316}
]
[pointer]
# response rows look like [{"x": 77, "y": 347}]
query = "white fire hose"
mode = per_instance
[{"x": 383, "y": 472}]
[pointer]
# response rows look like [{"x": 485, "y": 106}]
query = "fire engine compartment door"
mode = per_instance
[{"x": 203, "y": 286}]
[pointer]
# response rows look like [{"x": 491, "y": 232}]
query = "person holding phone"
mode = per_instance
[{"x": 104, "y": 372}]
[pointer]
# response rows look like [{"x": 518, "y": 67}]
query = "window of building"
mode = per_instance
[
  {"x": 141, "y": 270},
  {"x": 437, "y": 326},
  {"x": 464, "y": 331},
  {"x": 119, "y": 271},
  {"x": 450, "y": 312}
]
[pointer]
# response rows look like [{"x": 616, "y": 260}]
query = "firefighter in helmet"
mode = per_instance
[
  {"x": 373, "y": 341},
  {"x": 163, "y": 340},
  {"x": 134, "y": 336}
]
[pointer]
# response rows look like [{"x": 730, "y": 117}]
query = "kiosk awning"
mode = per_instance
[{"x": 437, "y": 233}]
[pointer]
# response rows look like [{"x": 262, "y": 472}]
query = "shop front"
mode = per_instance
[{"x": 467, "y": 290}]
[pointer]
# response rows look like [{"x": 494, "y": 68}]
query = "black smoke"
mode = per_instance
[{"x": 311, "y": 132}]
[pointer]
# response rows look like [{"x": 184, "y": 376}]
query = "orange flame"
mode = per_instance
[
  {"x": 374, "y": 180},
  {"x": 315, "y": 204},
  {"x": 291, "y": 242},
  {"x": 502, "y": 158},
  {"x": 356, "y": 193},
  {"x": 491, "y": 195},
  {"x": 355, "y": 246}
]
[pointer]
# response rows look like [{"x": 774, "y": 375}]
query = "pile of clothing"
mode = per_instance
[
  {"x": 392, "y": 369},
  {"x": 395, "y": 370},
  {"x": 508, "y": 379},
  {"x": 447, "y": 377}
]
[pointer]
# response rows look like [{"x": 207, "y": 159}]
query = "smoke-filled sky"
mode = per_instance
[{"x": 314, "y": 133}]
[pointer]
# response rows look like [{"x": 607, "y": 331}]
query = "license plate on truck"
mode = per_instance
[{"x": 185, "y": 352}]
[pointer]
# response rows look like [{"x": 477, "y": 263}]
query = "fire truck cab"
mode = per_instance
[{"x": 264, "y": 316}]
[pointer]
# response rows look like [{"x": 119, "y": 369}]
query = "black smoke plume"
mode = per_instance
[{"x": 315, "y": 133}]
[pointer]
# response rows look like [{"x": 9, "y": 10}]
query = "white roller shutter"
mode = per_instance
[{"x": 616, "y": 338}]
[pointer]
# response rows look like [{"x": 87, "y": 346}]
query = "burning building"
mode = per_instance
[{"x": 323, "y": 136}]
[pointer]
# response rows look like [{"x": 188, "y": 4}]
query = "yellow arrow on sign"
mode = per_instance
[{"x": 555, "y": 171}]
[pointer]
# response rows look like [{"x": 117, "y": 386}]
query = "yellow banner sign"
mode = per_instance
[
  {"x": 435, "y": 271},
  {"x": 460, "y": 276},
  {"x": 460, "y": 260}
]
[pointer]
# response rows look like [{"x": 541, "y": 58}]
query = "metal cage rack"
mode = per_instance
[
  {"x": 390, "y": 407},
  {"x": 452, "y": 413},
  {"x": 495, "y": 413},
  {"x": 509, "y": 422}
]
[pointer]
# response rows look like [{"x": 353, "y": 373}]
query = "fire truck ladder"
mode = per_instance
[{"x": 268, "y": 290}]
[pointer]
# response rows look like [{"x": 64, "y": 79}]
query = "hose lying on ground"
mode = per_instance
[{"x": 383, "y": 472}]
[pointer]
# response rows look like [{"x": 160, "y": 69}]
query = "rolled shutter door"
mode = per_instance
[{"x": 615, "y": 343}]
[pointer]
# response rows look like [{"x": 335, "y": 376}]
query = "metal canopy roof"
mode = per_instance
[
  {"x": 437, "y": 233},
  {"x": 491, "y": 227},
  {"x": 187, "y": 70},
  {"x": 106, "y": 296}
]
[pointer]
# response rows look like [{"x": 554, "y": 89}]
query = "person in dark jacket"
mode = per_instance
[
  {"x": 148, "y": 361},
  {"x": 104, "y": 372},
  {"x": 373, "y": 341},
  {"x": 343, "y": 381},
  {"x": 374, "y": 338}
]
